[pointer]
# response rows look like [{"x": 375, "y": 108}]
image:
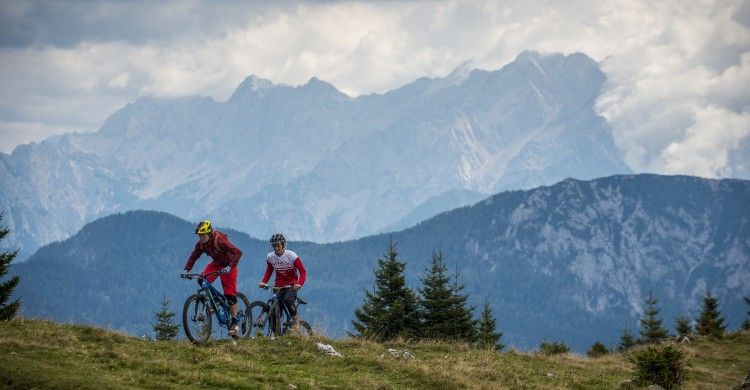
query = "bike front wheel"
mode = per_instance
[
  {"x": 274, "y": 321},
  {"x": 196, "y": 319},
  {"x": 257, "y": 315}
]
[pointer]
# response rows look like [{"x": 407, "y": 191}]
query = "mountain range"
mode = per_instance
[
  {"x": 571, "y": 262},
  {"x": 313, "y": 162}
]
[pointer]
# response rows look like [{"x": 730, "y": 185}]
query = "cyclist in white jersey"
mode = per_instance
[{"x": 289, "y": 272}]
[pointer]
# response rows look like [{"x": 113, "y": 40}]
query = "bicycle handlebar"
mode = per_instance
[
  {"x": 279, "y": 288},
  {"x": 192, "y": 276}
]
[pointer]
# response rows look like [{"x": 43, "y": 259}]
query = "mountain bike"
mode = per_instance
[
  {"x": 267, "y": 318},
  {"x": 196, "y": 314}
]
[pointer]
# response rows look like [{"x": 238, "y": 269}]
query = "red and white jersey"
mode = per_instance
[{"x": 287, "y": 267}]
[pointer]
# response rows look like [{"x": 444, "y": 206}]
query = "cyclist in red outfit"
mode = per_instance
[
  {"x": 289, "y": 272},
  {"x": 225, "y": 257}
]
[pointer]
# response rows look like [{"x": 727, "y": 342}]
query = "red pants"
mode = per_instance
[{"x": 228, "y": 281}]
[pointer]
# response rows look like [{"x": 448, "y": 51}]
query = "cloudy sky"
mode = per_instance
[{"x": 677, "y": 96}]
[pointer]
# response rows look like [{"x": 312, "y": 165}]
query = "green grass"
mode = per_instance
[{"x": 43, "y": 354}]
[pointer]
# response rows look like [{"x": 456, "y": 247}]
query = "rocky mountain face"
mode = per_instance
[
  {"x": 313, "y": 162},
  {"x": 571, "y": 262}
]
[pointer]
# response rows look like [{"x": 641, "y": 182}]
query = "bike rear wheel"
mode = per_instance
[
  {"x": 245, "y": 316},
  {"x": 257, "y": 315},
  {"x": 196, "y": 319}
]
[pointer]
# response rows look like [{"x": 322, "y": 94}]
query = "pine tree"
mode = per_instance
[
  {"x": 165, "y": 327},
  {"x": 746, "y": 323},
  {"x": 651, "y": 328},
  {"x": 7, "y": 310},
  {"x": 683, "y": 328},
  {"x": 435, "y": 301},
  {"x": 597, "y": 349},
  {"x": 487, "y": 336},
  {"x": 391, "y": 310},
  {"x": 710, "y": 321},
  {"x": 463, "y": 323},
  {"x": 626, "y": 340}
]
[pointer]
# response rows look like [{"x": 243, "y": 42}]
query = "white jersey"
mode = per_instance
[
  {"x": 283, "y": 263},
  {"x": 286, "y": 267}
]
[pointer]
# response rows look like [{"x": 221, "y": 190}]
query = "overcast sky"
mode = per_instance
[{"x": 677, "y": 96}]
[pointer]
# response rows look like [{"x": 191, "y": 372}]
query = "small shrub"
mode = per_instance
[
  {"x": 662, "y": 365},
  {"x": 596, "y": 350},
  {"x": 683, "y": 327},
  {"x": 553, "y": 348},
  {"x": 165, "y": 328}
]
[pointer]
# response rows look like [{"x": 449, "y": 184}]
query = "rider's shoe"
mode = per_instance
[{"x": 234, "y": 330}]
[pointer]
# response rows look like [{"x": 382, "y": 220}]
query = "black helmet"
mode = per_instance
[
  {"x": 204, "y": 227},
  {"x": 278, "y": 238}
]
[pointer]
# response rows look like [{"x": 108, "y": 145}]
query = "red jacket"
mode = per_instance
[{"x": 219, "y": 248}]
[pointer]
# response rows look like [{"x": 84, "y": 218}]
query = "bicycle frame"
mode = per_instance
[
  {"x": 208, "y": 290},
  {"x": 278, "y": 301},
  {"x": 218, "y": 304}
]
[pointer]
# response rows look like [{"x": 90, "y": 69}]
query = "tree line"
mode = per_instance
[
  {"x": 439, "y": 310},
  {"x": 709, "y": 323}
]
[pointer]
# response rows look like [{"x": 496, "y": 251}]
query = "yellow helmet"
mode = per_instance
[{"x": 204, "y": 227}]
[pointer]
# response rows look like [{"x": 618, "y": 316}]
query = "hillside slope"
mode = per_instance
[{"x": 41, "y": 354}]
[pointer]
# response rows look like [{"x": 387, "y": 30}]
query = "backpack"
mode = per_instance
[{"x": 217, "y": 234}]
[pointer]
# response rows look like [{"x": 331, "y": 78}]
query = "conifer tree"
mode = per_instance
[
  {"x": 464, "y": 324},
  {"x": 7, "y": 310},
  {"x": 597, "y": 349},
  {"x": 710, "y": 322},
  {"x": 651, "y": 328},
  {"x": 435, "y": 301},
  {"x": 746, "y": 323},
  {"x": 165, "y": 327},
  {"x": 390, "y": 311},
  {"x": 626, "y": 340},
  {"x": 683, "y": 328},
  {"x": 487, "y": 335}
]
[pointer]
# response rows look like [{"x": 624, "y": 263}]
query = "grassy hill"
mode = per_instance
[{"x": 42, "y": 354}]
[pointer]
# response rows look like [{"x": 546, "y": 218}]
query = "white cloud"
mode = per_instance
[
  {"x": 120, "y": 81},
  {"x": 26, "y": 132},
  {"x": 705, "y": 148},
  {"x": 671, "y": 65},
  {"x": 662, "y": 91}
]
